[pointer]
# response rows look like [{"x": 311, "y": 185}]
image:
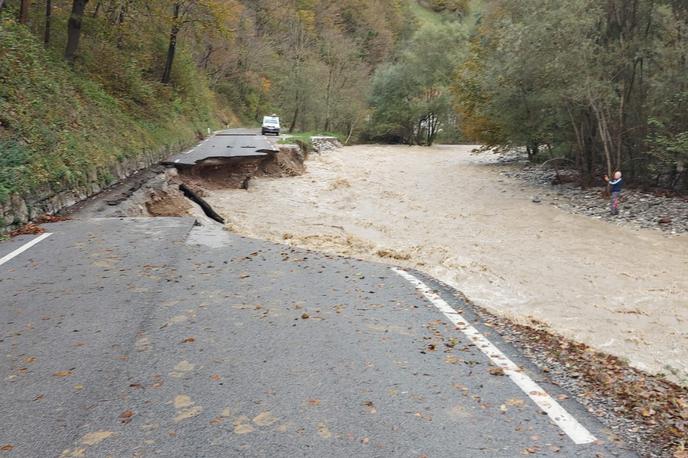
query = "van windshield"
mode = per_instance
[{"x": 270, "y": 120}]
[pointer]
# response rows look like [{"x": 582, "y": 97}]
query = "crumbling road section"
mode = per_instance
[{"x": 229, "y": 159}]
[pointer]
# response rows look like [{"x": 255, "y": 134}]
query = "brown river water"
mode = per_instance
[{"x": 450, "y": 214}]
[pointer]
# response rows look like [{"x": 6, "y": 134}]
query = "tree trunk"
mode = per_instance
[
  {"x": 97, "y": 8},
  {"x": 328, "y": 98},
  {"x": 2, "y": 3},
  {"x": 171, "y": 50},
  {"x": 124, "y": 9},
  {"x": 296, "y": 116},
  {"x": 48, "y": 19},
  {"x": 24, "y": 11},
  {"x": 74, "y": 29}
]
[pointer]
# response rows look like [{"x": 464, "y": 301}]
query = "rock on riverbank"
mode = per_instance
[{"x": 638, "y": 209}]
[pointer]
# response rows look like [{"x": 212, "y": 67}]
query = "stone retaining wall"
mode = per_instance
[{"x": 19, "y": 209}]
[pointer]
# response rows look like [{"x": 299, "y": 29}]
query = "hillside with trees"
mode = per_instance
[
  {"x": 91, "y": 90},
  {"x": 600, "y": 84}
]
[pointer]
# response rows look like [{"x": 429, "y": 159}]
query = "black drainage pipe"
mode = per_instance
[{"x": 207, "y": 209}]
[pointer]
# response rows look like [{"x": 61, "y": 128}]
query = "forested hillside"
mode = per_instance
[
  {"x": 601, "y": 83},
  {"x": 92, "y": 89}
]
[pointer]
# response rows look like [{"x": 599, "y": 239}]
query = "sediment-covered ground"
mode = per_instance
[{"x": 451, "y": 214}]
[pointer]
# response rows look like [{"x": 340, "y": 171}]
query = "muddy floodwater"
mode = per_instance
[{"x": 450, "y": 214}]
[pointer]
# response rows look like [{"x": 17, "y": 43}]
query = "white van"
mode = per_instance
[{"x": 271, "y": 125}]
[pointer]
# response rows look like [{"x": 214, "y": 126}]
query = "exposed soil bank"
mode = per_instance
[
  {"x": 155, "y": 191},
  {"x": 237, "y": 173},
  {"x": 446, "y": 212}
]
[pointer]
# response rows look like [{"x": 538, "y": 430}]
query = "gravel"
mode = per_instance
[{"x": 658, "y": 210}]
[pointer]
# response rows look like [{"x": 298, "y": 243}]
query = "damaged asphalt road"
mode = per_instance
[{"x": 139, "y": 337}]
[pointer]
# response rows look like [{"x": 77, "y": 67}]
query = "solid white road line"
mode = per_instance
[
  {"x": 577, "y": 432},
  {"x": 24, "y": 247}
]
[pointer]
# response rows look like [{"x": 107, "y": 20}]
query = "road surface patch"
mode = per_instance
[
  {"x": 569, "y": 425},
  {"x": 24, "y": 248}
]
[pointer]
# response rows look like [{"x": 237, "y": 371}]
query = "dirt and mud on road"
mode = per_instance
[{"x": 449, "y": 213}]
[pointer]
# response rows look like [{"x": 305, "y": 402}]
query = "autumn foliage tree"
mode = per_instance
[
  {"x": 595, "y": 82},
  {"x": 311, "y": 61}
]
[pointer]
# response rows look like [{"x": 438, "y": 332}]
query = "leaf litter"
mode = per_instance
[{"x": 649, "y": 412}]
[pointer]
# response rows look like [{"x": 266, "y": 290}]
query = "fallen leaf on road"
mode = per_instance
[
  {"x": 157, "y": 381},
  {"x": 189, "y": 340},
  {"x": 126, "y": 416},
  {"x": 62, "y": 374},
  {"x": 370, "y": 406},
  {"x": 451, "y": 359},
  {"x": 516, "y": 402},
  {"x": 264, "y": 419},
  {"x": 323, "y": 431},
  {"x": 7, "y": 447},
  {"x": 188, "y": 413},
  {"x": 314, "y": 402},
  {"x": 215, "y": 378},
  {"x": 27, "y": 229},
  {"x": 143, "y": 344},
  {"x": 182, "y": 401},
  {"x": 181, "y": 369},
  {"x": 497, "y": 371},
  {"x": 423, "y": 416},
  {"x": 647, "y": 412},
  {"x": 305, "y": 316},
  {"x": 96, "y": 437},
  {"x": 30, "y": 359},
  {"x": 242, "y": 426}
]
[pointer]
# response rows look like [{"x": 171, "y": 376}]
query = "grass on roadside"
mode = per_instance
[{"x": 305, "y": 137}]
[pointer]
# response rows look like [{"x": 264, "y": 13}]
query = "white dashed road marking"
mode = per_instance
[
  {"x": 23, "y": 248},
  {"x": 569, "y": 425}
]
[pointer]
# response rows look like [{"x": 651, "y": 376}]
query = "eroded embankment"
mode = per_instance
[
  {"x": 237, "y": 172},
  {"x": 157, "y": 193}
]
